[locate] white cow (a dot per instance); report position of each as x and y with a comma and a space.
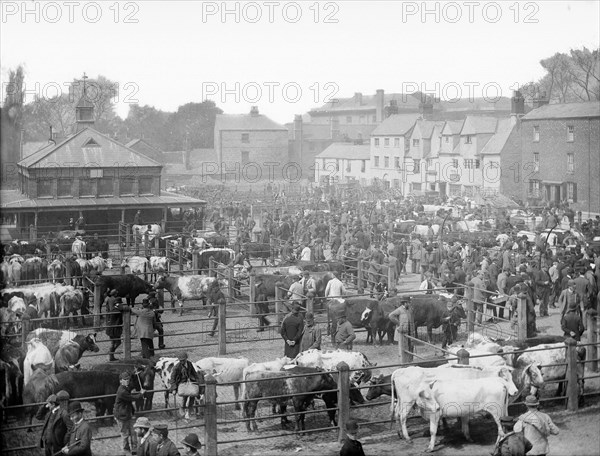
158, 265
329, 360
37, 353
17, 305
100, 264
225, 370
275, 365
153, 230
137, 264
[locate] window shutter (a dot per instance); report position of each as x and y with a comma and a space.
574, 192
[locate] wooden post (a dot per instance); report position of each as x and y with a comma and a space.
252, 293
470, 313
136, 240
222, 328
97, 305
230, 283
343, 399
211, 267
592, 337
160, 295
359, 275
180, 256
25, 328
210, 416
278, 305
571, 377
146, 244
127, 332
390, 278
310, 304
403, 345
195, 262
127, 235
522, 317
463, 356
156, 246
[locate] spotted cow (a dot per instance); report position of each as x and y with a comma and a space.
188, 287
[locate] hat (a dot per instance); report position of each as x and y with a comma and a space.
192, 440
182, 355
118, 300
571, 282
524, 276
531, 401
142, 422
306, 273
351, 426
74, 407
125, 376
507, 420
145, 302
113, 292
52, 399
161, 429
296, 307
62, 395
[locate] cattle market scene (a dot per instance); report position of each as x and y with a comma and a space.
195, 261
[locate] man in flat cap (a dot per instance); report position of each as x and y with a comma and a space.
146, 445
536, 427
352, 446
165, 446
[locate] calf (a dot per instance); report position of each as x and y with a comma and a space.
280, 384
158, 265
42, 384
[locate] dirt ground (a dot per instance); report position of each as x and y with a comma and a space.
579, 431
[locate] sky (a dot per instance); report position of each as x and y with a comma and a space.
288, 57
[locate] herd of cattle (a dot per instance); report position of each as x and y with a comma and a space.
499, 372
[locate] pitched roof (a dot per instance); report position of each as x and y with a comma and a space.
475, 125
398, 124
497, 142
565, 111
368, 102
427, 126
246, 122
477, 104
34, 146
105, 153
453, 127
347, 151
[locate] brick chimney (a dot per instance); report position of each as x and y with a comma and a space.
254, 111
358, 98
379, 101
298, 127
335, 128
540, 100
517, 104
426, 109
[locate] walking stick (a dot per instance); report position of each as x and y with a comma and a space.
77, 442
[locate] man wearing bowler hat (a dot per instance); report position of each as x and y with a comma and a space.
54, 432
146, 445
192, 444
291, 331
536, 426
80, 439
164, 447
513, 443
352, 447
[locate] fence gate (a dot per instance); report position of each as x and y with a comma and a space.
124, 237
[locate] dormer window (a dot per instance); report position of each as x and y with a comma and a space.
91, 143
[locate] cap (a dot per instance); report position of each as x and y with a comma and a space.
113, 292
507, 420
142, 422
125, 376
161, 429
531, 401
74, 407
192, 440
52, 399
145, 302
182, 355
351, 426
152, 293
309, 316
62, 395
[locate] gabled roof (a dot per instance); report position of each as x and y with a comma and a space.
346, 151
108, 154
426, 127
477, 125
396, 125
565, 111
246, 122
497, 142
452, 127
32, 147
404, 101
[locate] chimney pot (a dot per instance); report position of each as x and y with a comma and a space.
254, 110
358, 98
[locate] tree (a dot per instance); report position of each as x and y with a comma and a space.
585, 72
559, 71
192, 126
11, 118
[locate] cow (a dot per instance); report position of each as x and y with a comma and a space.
37, 353
52, 338
73, 271
258, 250
329, 360
158, 265
56, 270
71, 302
136, 265
142, 377
220, 255
14, 271
89, 384
78, 248
42, 384
128, 286
17, 305
411, 385
225, 370
274, 365
71, 352
100, 264
281, 384
153, 230
427, 310
187, 287
164, 367
358, 311
10, 326
272, 281
380, 319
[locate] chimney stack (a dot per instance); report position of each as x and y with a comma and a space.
391, 109
254, 111
358, 98
379, 101
51, 139
426, 109
517, 106
298, 127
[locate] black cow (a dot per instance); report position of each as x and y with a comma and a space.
96, 246
271, 281
325, 266
279, 384
142, 377
380, 319
217, 241
73, 270
531, 342
8, 295
82, 384
359, 310
219, 255
128, 286
258, 250
427, 310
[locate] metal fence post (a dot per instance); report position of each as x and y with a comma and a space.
592, 337
252, 301
571, 377
343, 398
278, 304
521, 317
127, 332
210, 416
97, 305
222, 328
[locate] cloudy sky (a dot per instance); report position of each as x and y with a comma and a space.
287, 57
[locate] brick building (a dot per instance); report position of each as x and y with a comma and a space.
554, 156
251, 147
